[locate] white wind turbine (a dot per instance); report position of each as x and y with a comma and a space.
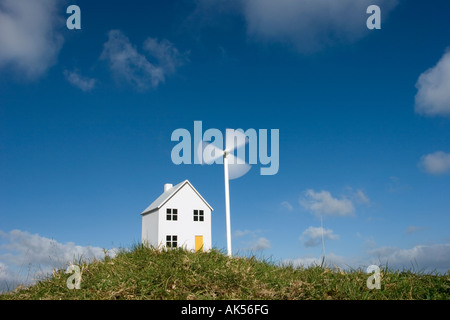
233, 167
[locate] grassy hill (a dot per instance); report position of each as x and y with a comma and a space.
147, 273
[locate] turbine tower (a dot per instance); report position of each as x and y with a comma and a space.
233, 167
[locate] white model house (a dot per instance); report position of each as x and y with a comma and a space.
179, 217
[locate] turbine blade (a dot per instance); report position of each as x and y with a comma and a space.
235, 139
237, 167
208, 153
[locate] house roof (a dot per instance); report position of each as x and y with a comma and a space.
163, 198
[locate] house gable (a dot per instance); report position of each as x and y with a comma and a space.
167, 195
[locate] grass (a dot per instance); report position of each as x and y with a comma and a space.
148, 273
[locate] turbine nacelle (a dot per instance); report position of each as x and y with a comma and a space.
210, 153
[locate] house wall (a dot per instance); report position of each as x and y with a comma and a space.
150, 229
185, 200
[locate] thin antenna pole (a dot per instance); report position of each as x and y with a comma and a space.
227, 202
323, 241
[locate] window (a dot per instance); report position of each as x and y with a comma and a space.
198, 215
172, 214
171, 241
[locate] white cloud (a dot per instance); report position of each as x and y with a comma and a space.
287, 205
433, 95
40, 254
305, 262
165, 53
362, 197
3, 272
313, 236
308, 25
83, 83
322, 203
242, 233
260, 244
436, 163
370, 243
30, 40
358, 196
395, 185
414, 229
331, 260
129, 65
9, 280
33, 248
420, 257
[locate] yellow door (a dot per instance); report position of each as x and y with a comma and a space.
198, 243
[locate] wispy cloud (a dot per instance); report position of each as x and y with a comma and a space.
307, 25
433, 95
251, 240
323, 203
259, 244
30, 37
358, 196
370, 243
83, 83
436, 163
287, 205
312, 236
332, 260
395, 185
164, 51
128, 65
242, 233
361, 197
414, 229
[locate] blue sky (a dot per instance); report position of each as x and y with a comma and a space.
86, 118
